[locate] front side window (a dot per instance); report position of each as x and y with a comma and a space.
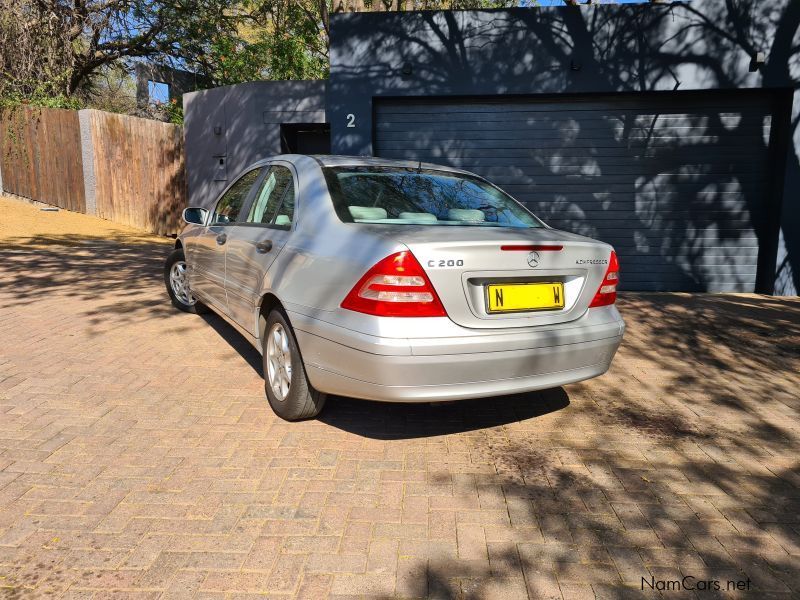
391, 195
274, 203
229, 206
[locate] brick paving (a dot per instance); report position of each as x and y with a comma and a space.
138, 455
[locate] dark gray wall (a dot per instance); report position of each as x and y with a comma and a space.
590, 49
229, 128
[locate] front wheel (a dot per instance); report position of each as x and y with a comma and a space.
177, 282
288, 390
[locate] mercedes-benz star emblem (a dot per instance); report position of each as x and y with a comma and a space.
533, 260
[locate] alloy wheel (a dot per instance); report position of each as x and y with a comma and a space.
279, 362
179, 283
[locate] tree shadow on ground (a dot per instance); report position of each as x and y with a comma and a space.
681, 461
111, 275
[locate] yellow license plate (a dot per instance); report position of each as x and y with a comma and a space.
523, 297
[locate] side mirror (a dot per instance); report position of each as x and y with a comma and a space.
195, 215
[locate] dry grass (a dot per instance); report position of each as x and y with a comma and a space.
24, 223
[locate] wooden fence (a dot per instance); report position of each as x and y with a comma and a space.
136, 173
139, 171
41, 156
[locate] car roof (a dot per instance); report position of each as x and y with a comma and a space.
332, 160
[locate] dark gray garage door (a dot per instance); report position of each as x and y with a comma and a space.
678, 183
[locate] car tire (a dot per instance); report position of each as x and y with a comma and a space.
179, 291
289, 392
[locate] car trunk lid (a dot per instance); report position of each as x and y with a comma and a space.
469, 265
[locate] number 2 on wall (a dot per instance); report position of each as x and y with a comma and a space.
351, 120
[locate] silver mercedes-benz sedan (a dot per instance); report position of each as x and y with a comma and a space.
396, 281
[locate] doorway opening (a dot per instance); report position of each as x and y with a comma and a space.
305, 138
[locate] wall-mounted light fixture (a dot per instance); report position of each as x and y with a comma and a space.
574, 65
406, 69
217, 129
758, 60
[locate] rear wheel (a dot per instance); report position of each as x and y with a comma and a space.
177, 282
289, 392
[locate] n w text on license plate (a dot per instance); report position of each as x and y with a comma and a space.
523, 297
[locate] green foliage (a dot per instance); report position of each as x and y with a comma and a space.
231, 60
290, 58
297, 31
174, 112
13, 100
270, 39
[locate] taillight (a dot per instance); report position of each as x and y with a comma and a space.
395, 287
607, 294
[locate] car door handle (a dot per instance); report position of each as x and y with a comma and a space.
264, 247
222, 238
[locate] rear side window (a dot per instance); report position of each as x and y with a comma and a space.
274, 203
390, 195
229, 206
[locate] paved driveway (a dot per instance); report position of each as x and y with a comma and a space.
137, 453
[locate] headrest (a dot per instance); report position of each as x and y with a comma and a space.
465, 214
367, 213
422, 217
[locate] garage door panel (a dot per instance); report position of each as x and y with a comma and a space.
613, 216
700, 281
524, 142
630, 175
744, 245
686, 285
653, 126
567, 120
692, 152
622, 234
565, 205
704, 194
754, 181
616, 166
545, 173
677, 182
571, 107
710, 257
524, 190
665, 232
592, 137
632, 165
565, 126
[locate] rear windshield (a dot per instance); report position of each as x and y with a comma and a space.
395, 196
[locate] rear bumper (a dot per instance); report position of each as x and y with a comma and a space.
343, 362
